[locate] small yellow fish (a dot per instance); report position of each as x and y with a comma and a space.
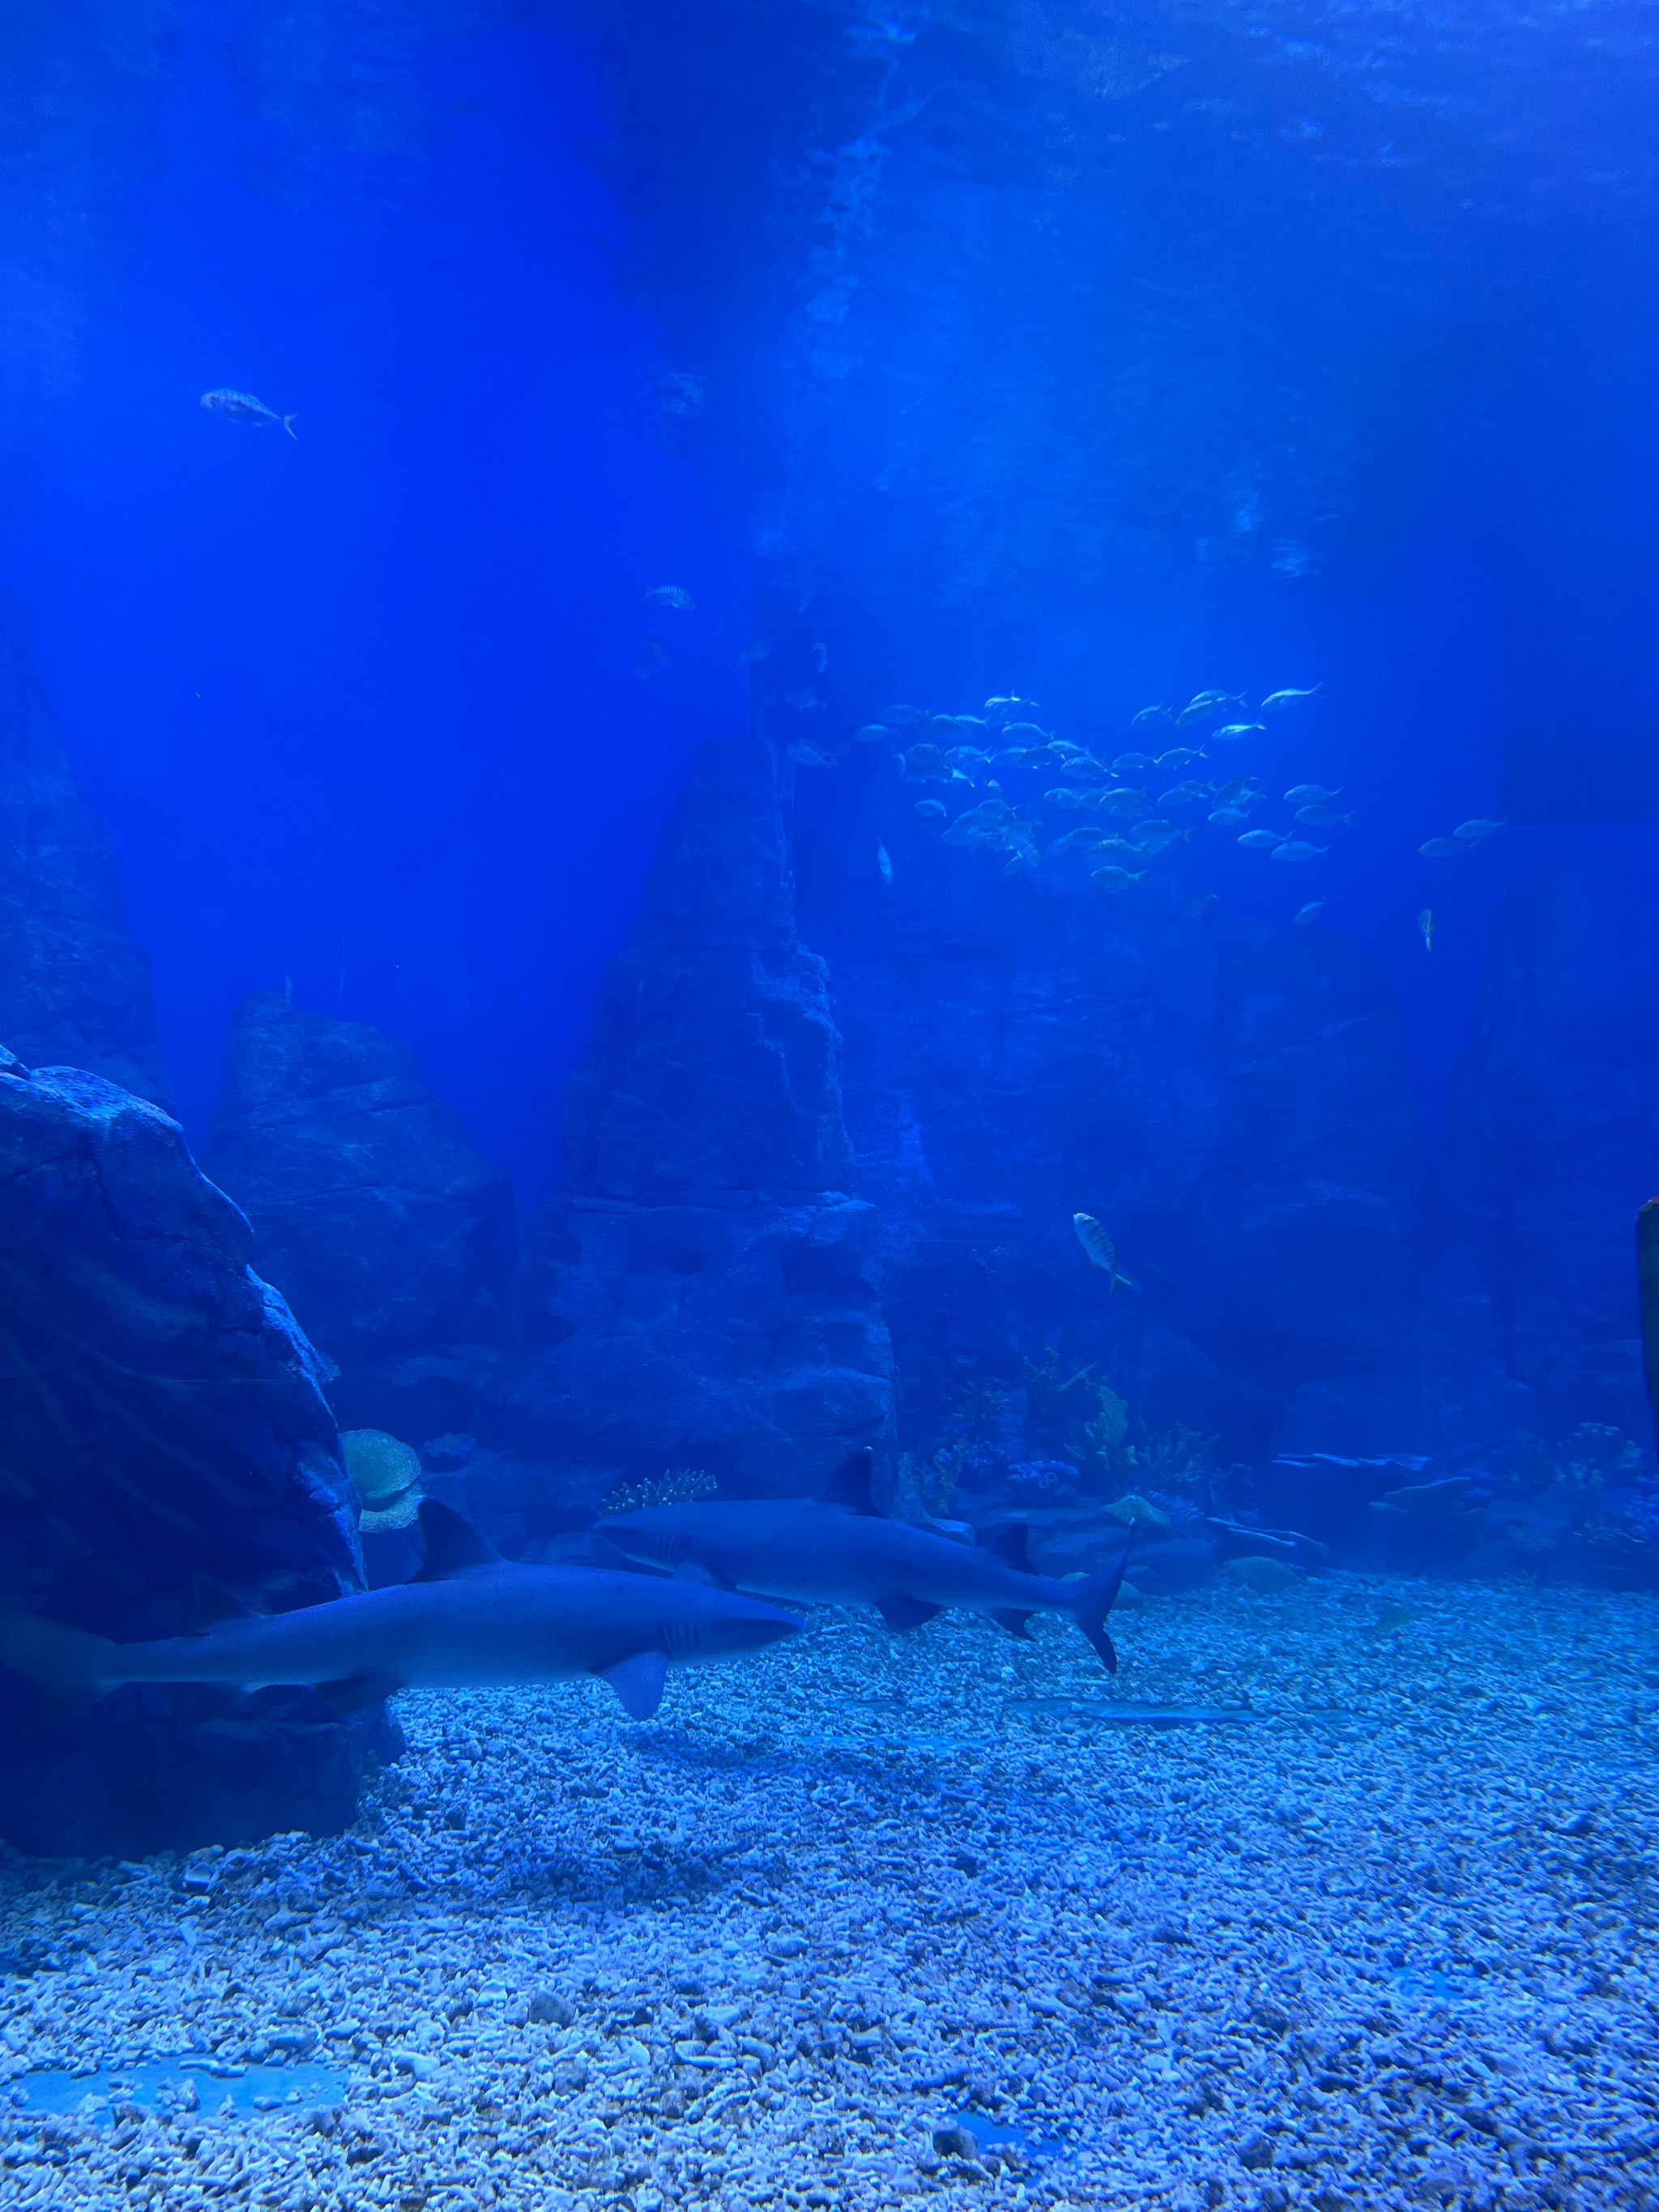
1426, 923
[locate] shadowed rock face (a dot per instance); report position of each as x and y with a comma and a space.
163, 1418
1552, 1139
1231, 1101
74, 988
389, 1237
703, 1289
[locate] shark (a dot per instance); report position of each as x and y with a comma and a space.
841, 1550
468, 1619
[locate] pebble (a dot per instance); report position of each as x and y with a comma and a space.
863, 1924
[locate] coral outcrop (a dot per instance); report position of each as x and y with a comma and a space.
163, 1420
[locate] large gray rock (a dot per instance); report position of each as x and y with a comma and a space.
74, 988
1552, 1140
389, 1237
163, 1419
704, 1289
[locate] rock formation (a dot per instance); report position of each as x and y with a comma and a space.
1233, 1104
163, 1419
388, 1236
703, 1289
74, 988
1552, 1140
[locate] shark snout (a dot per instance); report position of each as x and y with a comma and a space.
766, 1624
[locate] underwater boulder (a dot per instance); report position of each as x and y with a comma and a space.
164, 1420
74, 988
704, 1289
386, 1233
1552, 1139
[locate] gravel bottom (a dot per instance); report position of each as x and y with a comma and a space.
1388, 1941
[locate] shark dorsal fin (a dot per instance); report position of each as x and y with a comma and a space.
1011, 1547
453, 1546
211, 1605
849, 1485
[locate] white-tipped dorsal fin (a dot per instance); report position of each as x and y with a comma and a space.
452, 1547
638, 1680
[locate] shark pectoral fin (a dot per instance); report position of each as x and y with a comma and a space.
211, 1604
352, 1693
452, 1547
693, 1570
1012, 1546
639, 1682
1014, 1621
902, 1613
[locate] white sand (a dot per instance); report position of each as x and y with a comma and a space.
1392, 1945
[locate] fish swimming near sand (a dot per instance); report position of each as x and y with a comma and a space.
243, 407
843, 1551
470, 1620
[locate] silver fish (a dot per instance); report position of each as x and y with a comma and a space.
1102, 1252
1232, 732
1179, 757
1225, 816
1297, 848
1151, 715
1324, 815
1475, 832
243, 407
1116, 879
932, 810
1184, 794
1441, 848
468, 1620
1259, 841
1311, 912
672, 595
1277, 700
885, 863
1132, 763
1309, 794
873, 733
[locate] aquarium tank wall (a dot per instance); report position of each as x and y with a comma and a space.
829, 1231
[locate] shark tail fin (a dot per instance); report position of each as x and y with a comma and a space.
67, 1665
288, 424
1095, 1600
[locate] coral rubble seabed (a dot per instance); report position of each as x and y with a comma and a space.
1391, 1945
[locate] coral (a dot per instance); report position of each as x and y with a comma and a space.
387, 1474
1053, 1479
675, 1485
